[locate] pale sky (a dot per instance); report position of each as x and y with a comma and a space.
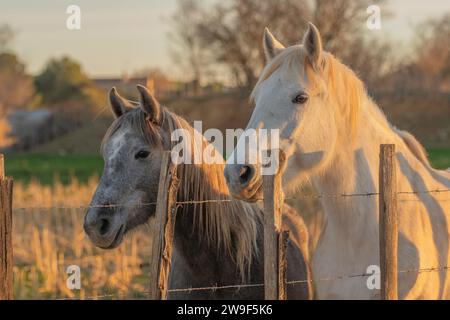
125, 36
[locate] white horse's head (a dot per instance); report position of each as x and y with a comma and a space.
311, 98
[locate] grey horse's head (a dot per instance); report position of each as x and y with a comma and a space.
132, 152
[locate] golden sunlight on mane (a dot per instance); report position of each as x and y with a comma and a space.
231, 224
414, 146
355, 94
346, 89
343, 79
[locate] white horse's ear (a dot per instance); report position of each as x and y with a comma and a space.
272, 46
118, 104
313, 44
149, 104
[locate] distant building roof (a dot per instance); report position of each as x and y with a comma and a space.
108, 83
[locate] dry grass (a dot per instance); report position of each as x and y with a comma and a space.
48, 237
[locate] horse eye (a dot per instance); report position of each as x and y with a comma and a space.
142, 154
300, 98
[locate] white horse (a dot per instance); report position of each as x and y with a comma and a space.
330, 131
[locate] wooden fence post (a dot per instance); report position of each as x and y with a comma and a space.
388, 222
274, 268
163, 230
283, 239
6, 253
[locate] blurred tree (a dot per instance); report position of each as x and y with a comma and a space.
426, 70
186, 47
6, 36
61, 80
16, 87
230, 33
432, 57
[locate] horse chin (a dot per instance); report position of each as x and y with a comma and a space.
256, 196
252, 194
116, 241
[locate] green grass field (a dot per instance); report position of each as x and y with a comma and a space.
440, 157
46, 167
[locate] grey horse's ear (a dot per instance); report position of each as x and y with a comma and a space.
312, 42
272, 46
149, 104
118, 104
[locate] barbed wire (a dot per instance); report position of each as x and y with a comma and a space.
342, 277
108, 295
424, 191
256, 285
215, 288
212, 201
420, 200
239, 286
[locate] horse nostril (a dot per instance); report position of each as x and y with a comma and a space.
245, 174
104, 226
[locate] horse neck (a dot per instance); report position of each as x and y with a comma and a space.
218, 268
197, 253
220, 238
354, 169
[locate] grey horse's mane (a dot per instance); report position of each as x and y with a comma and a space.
229, 225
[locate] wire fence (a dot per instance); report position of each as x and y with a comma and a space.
255, 285
213, 201
166, 194
261, 285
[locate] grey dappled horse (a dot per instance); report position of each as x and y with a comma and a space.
214, 243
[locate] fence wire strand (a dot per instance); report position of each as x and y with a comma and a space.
212, 201
256, 285
239, 286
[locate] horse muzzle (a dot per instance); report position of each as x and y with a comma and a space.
244, 181
103, 227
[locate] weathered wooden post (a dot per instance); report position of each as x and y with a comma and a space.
283, 240
388, 222
163, 230
6, 253
274, 240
